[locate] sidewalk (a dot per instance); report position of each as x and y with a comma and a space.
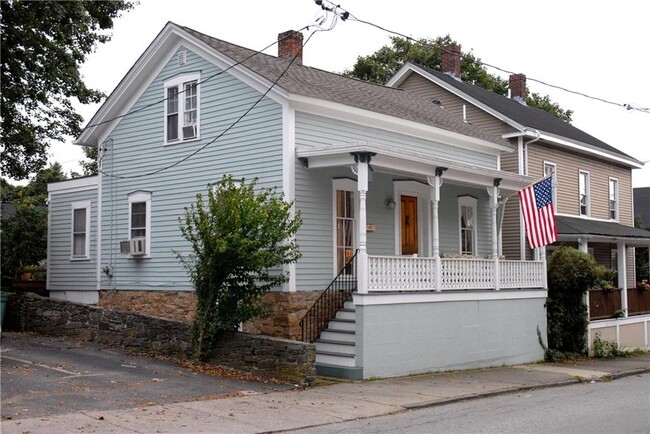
281, 411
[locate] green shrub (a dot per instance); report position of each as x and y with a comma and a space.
571, 273
240, 238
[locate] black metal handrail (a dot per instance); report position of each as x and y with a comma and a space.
330, 301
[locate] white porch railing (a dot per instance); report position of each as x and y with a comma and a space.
405, 273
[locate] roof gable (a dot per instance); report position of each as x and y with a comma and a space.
517, 115
260, 71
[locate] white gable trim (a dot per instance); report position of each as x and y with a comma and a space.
386, 122
409, 68
149, 66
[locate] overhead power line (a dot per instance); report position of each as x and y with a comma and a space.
329, 6
237, 121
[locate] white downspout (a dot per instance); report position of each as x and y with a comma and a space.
523, 161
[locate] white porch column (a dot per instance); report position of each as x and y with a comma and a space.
583, 245
435, 183
494, 205
622, 275
362, 160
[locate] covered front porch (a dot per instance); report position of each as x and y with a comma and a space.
437, 228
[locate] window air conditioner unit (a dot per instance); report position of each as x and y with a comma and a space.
134, 247
189, 131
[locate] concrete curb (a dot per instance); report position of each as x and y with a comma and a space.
506, 391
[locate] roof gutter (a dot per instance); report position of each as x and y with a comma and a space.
632, 162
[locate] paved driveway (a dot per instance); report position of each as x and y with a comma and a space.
47, 376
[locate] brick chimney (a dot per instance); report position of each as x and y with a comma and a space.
451, 60
290, 46
518, 88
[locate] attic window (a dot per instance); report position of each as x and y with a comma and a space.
437, 102
182, 57
182, 108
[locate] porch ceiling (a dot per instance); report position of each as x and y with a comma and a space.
390, 159
572, 228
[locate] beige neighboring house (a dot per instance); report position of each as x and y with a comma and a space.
592, 185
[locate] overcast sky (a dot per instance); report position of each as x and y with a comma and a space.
601, 48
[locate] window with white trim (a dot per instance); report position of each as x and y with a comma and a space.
467, 225
584, 193
80, 244
550, 169
613, 199
182, 108
344, 222
140, 216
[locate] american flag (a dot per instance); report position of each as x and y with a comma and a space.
539, 214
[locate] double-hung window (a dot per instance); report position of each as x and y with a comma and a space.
140, 217
182, 108
613, 199
80, 248
344, 223
467, 224
550, 169
584, 193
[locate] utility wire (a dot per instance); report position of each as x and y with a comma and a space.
162, 100
345, 15
231, 126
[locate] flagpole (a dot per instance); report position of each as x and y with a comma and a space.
532, 183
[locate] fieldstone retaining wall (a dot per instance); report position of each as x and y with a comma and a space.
174, 305
262, 355
286, 309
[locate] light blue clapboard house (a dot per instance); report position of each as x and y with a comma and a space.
397, 195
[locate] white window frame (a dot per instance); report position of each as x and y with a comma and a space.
137, 197
609, 202
469, 201
548, 164
178, 83
587, 193
345, 184
85, 204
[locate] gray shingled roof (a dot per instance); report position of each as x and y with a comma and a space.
312, 82
531, 117
580, 226
642, 205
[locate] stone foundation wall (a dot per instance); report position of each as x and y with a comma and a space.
286, 311
174, 305
264, 356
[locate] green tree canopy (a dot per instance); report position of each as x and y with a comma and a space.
380, 66
43, 45
239, 238
24, 234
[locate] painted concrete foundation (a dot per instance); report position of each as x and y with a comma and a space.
630, 332
401, 333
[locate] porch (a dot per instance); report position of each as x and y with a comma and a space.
425, 237
429, 287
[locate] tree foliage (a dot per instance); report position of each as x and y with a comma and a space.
43, 45
88, 165
24, 234
571, 273
239, 240
380, 66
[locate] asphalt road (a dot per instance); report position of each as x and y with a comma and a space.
47, 376
619, 406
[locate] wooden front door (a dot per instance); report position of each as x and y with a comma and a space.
409, 211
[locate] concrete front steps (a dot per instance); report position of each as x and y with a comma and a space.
335, 348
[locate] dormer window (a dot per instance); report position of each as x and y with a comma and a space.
182, 108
